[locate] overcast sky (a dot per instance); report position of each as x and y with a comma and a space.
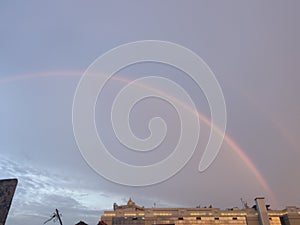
45, 47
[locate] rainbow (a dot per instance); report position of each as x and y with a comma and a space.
235, 147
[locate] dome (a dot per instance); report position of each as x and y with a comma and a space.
130, 202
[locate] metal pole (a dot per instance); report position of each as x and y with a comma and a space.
58, 216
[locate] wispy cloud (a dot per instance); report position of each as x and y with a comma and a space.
39, 192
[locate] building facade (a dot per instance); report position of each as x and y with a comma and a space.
7, 191
132, 214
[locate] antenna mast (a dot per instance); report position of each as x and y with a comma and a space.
58, 216
55, 216
244, 203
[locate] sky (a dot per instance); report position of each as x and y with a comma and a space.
46, 46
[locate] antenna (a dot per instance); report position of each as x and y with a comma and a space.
244, 203
56, 216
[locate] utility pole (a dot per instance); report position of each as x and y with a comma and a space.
55, 216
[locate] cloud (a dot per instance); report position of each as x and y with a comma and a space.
40, 192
